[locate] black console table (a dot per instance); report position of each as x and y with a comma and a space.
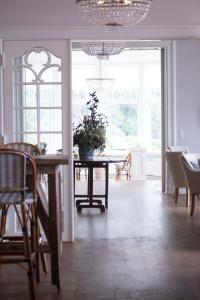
91, 200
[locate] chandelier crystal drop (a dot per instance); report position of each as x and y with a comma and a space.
114, 13
103, 49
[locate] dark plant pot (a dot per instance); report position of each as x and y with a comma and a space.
86, 153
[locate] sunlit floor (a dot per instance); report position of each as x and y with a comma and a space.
128, 202
143, 248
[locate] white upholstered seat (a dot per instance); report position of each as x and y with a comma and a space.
176, 171
192, 179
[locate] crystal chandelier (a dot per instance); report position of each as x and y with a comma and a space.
102, 49
114, 13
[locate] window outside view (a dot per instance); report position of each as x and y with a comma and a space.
130, 98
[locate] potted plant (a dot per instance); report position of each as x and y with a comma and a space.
89, 134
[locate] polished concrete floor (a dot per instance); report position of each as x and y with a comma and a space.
145, 247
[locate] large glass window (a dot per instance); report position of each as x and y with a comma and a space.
38, 99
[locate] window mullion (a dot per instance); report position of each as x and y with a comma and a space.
38, 113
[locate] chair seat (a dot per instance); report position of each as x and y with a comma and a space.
10, 248
16, 198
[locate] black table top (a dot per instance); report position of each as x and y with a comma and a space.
98, 160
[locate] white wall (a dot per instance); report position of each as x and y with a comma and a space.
187, 80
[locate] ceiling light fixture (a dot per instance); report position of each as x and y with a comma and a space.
114, 13
101, 81
102, 49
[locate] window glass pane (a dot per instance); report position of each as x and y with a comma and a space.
149, 80
122, 129
24, 75
37, 60
50, 95
51, 74
29, 120
50, 119
25, 96
30, 138
29, 96
53, 141
27, 75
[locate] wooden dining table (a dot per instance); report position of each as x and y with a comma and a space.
49, 209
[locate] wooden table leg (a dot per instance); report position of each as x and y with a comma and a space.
106, 185
54, 226
90, 188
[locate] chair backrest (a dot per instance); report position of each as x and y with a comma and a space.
184, 149
192, 176
25, 147
13, 167
175, 168
192, 160
127, 163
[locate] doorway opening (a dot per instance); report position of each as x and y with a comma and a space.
128, 86
130, 91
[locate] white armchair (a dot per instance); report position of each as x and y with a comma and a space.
192, 178
176, 171
184, 149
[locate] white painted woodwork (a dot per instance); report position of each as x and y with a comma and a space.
61, 49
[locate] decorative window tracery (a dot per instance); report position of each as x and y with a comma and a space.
38, 98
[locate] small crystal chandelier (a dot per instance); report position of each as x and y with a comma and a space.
114, 13
102, 49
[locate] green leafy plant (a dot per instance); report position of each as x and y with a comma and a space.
90, 132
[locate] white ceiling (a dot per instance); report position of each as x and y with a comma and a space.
178, 17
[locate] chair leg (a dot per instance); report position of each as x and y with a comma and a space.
176, 194
192, 206
4, 210
78, 174
187, 197
118, 173
44, 262
37, 263
27, 250
86, 175
41, 255
3, 219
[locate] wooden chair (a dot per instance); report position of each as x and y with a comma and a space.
78, 170
176, 171
26, 147
124, 167
32, 150
14, 193
192, 178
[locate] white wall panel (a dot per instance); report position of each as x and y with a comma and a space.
188, 94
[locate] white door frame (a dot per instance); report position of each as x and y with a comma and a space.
168, 99
62, 49
169, 115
